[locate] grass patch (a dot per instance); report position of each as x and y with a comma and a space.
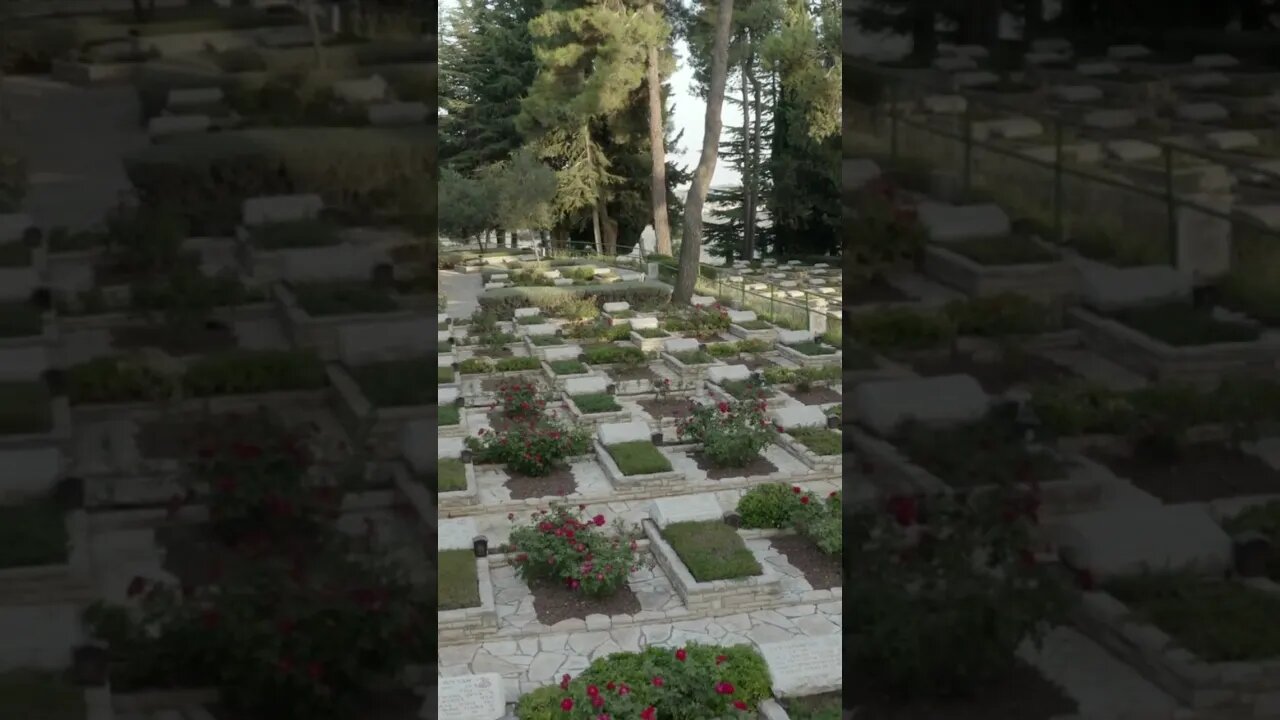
453, 475
756, 324
457, 585
394, 383
622, 314
111, 380
1183, 325
567, 367
693, 357
596, 403
651, 332
1218, 621
444, 375
610, 354
15, 255
546, 340
27, 408
820, 441
1003, 250
31, 534
1265, 520
39, 695
711, 550
639, 457
812, 348
322, 299
294, 234
20, 320
513, 364
445, 347
243, 372
743, 389
475, 366
530, 320
449, 415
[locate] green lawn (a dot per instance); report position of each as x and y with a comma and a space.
32, 534
596, 403
711, 550
639, 457
453, 475
394, 383
820, 441
457, 585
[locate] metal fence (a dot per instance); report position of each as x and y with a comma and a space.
1178, 208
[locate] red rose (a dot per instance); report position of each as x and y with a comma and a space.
724, 688
657, 682
592, 690
721, 658
597, 701
648, 713
905, 510
598, 520
566, 704
564, 682
609, 685
804, 500
724, 407
795, 489
681, 654
740, 704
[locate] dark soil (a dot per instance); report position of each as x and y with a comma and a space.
391, 705
758, 466
167, 439
206, 339
636, 372
823, 571
559, 482
1022, 695
755, 363
1201, 472
667, 407
877, 290
502, 352
553, 602
815, 396
994, 377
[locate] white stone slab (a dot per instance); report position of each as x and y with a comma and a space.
469, 697
741, 316
735, 278
281, 208
13, 225
361, 90
561, 282
495, 285
793, 263
970, 50
702, 300
675, 345
768, 262
443, 336
1098, 69
194, 96
1205, 80
951, 223
566, 352
551, 274
1106, 288
528, 312
166, 125
1127, 540
817, 281
798, 416
396, 114
685, 508
449, 447
416, 440
614, 433
857, 172
820, 266
945, 104
1127, 52
456, 533
446, 395
756, 286
1132, 150
778, 276
791, 337
1232, 139
975, 78
539, 330
442, 318
788, 284
1015, 128
1110, 119
884, 404
1220, 60
1077, 93
955, 64
614, 307
647, 322
805, 665
500, 277
586, 385
444, 359
1202, 112
726, 373
29, 472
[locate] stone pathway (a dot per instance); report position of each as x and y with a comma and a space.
1101, 684
462, 291
74, 140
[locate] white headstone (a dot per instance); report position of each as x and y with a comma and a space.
446, 395
586, 385
614, 433
1127, 52
768, 262
495, 285
469, 697
614, 307
1203, 112
1077, 93
755, 286
728, 373
449, 447
1016, 128
1110, 119
551, 274
883, 405
797, 416
561, 282
1044, 58
778, 276
539, 330
456, 533
647, 322
165, 125
416, 440
194, 96
442, 318
361, 90
701, 300
397, 114
1128, 540
281, 208
951, 223
685, 508
565, 352
973, 51
945, 104
805, 665
444, 359
820, 266
1107, 288
1232, 139
741, 316
500, 276
1205, 80
1098, 69
1215, 61
1133, 150
817, 281
443, 336
735, 278
788, 284
13, 225
30, 473
955, 64
791, 337
676, 345
528, 312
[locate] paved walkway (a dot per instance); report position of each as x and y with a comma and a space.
463, 292
74, 140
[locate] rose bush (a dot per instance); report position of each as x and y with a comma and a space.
560, 546
521, 400
532, 450
732, 433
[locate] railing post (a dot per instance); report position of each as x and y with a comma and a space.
1057, 182
1171, 199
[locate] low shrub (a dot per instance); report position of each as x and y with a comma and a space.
641, 295
244, 372
475, 366
610, 354
323, 299
452, 474
756, 324
596, 403
533, 449
711, 550
820, 520
570, 548
33, 533
457, 585
731, 434
113, 380
395, 383
639, 457
651, 333
813, 348
1263, 519
567, 367
530, 320
767, 506
15, 255
27, 408
547, 340
444, 376
41, 695
513, 364
986, 452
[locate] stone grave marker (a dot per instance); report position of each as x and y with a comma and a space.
1129, 539
456, 533
13, 225
1098, 69
566, 352
1127, 52
553, 274
446, 395
1232, 139
194, 96
166, 125
30, 472
449, 447
723, 373
858, 172
702, 300
955, 64
1052, 45
539, 330
528, 312
1202, 112
1108, 289
647, 322
741, 316
805, 666
469, 697
791, 337
676, 345
685, 508
281, 208
883, 405
359, 91
416, 439
616, 307
797, 416
1110, 119
952, 223
586, 385
1132, 150
1077, 93
945, 104
1205, 80
614, 433
1215, 61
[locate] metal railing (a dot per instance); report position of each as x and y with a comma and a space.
1161, 210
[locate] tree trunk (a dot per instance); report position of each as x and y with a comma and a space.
691, 243
748, 195
591, 171
924, 30
608, 229
658, 156
314, 23
757, 140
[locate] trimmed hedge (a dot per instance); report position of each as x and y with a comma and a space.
355, 170
642, 295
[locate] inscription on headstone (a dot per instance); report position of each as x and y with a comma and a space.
471, 697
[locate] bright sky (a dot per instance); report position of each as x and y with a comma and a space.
689, 116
